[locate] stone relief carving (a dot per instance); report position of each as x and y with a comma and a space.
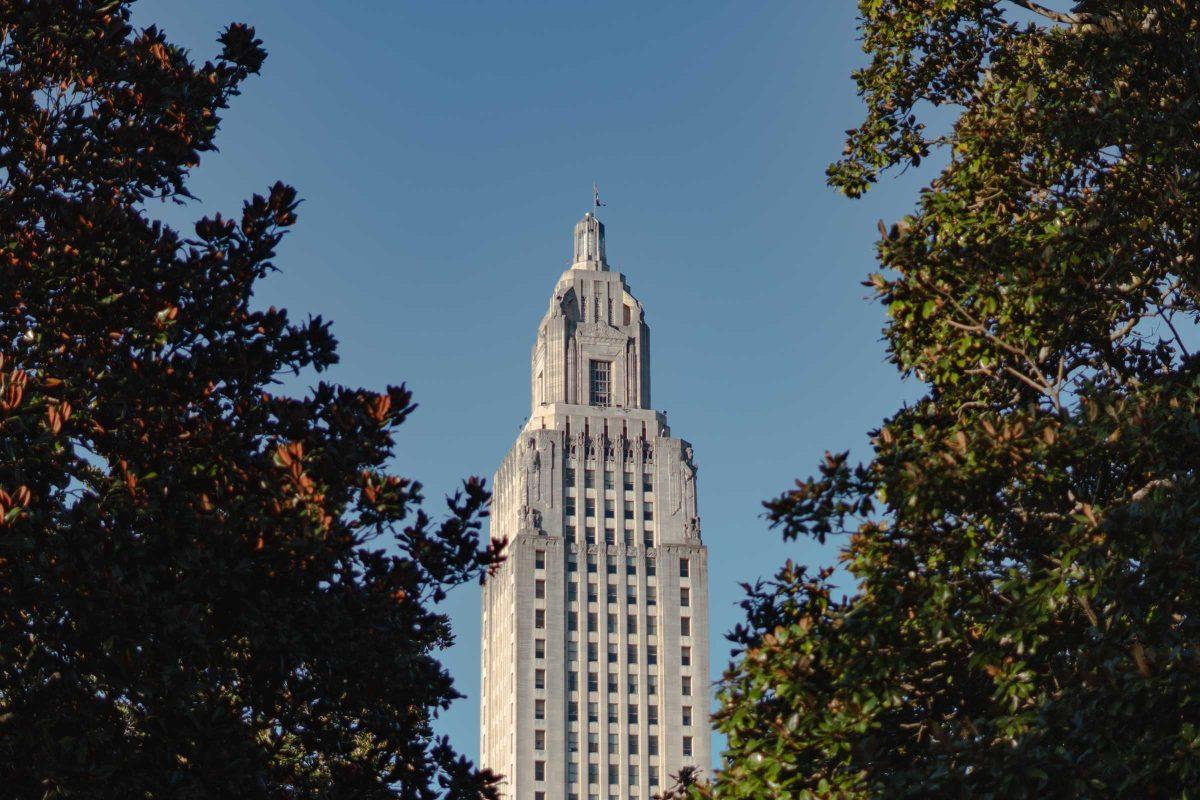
531, 472
689, 481
531, 518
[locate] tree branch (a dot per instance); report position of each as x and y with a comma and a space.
1062, 17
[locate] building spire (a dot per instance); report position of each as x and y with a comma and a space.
589, 243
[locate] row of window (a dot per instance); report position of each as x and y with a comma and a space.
539, 708
593, 774
573, 683
631, 562
593, 595
610, 536
610, 479
631, 620
593, 654
593, 620
610, 511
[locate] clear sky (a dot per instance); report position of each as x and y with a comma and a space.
445, 150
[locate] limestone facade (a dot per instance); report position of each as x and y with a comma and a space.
595, 630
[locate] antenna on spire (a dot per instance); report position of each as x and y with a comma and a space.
596, 204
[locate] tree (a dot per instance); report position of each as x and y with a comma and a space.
195, 596
1024, 541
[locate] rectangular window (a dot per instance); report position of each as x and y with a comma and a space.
647, 511
590, 535
593, 682
539, 770
633, 774
685, 656
600, 382
539, 648
685, 596
632, 714
651, 684
612, 682
687, 715
569, 476
572, 591
647, 482
539, 709
593, 653
685, 626
539, 559
612, 714
569, 532
610, 536
684, 568
633, 684
592, 561
631, 594
651, 654
631, 623
589, 479
539, 740
569, 506
592, 620
630, 565
572, 681
572, 716
593, 776
628, 537
612, 652
572, 651
652, 625
653, 748
612, 593
539, 796
648, 538
687, 685
589, 507
633, 749
592, 593
628, 509
539, 589
539, 679
611, 567
608, 508
631, 655
613, 742
593, 742
572, 772
652, 715
687, 745
572, 563
651, 595
539, 618
651, 566
609, 480
593, 712
628, 481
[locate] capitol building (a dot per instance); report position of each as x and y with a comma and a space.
595, 629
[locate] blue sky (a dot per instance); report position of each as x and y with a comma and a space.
445, 150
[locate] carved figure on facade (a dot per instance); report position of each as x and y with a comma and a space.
531, 518
689, 481
531, 471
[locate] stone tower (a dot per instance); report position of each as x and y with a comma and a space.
595, 629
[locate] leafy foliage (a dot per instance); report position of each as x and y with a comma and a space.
194, 597
1025, 540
